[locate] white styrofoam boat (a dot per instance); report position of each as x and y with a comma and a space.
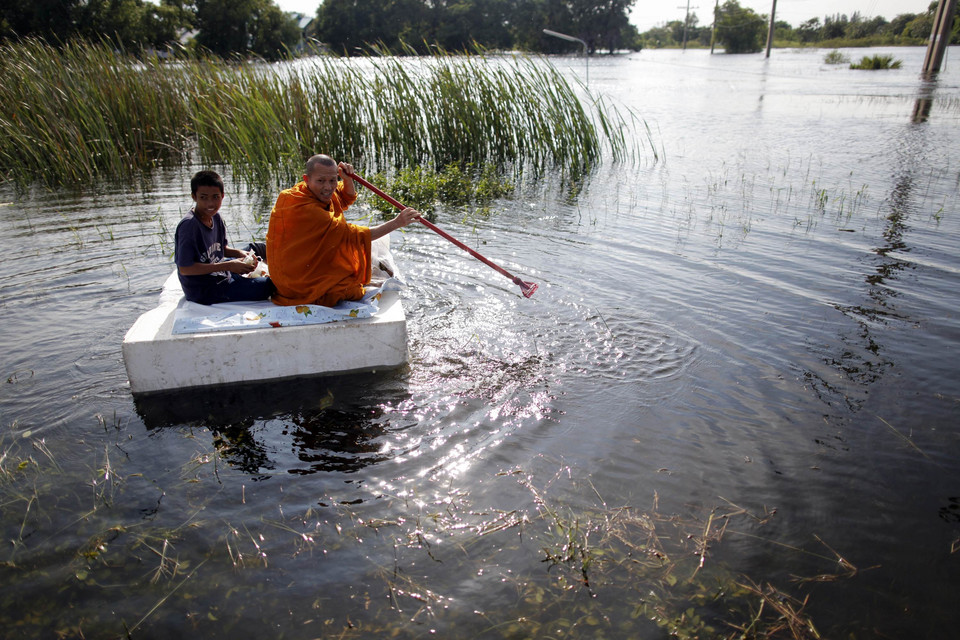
157, 359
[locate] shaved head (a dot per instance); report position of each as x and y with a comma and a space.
319, 160
322, 175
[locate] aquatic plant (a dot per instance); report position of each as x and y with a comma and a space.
835, 57
875, 62
453, 185
86, 112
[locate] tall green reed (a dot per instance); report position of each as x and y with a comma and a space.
84, 112
75, 114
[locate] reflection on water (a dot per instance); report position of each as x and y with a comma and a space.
863, 360
304, 426
924, 103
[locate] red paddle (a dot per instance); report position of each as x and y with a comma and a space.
527, 288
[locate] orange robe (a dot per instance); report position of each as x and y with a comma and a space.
315, 256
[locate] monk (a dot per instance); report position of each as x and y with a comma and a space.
316, 256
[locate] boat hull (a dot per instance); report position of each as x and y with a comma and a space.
159, 360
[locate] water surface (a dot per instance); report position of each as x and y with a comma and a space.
762, 322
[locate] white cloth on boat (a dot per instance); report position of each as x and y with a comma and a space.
191, 317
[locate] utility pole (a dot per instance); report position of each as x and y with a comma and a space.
773, 12
939, 36
713, 31
686, 23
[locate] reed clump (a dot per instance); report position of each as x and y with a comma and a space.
836, 57
85, 112
74, 114
872, 63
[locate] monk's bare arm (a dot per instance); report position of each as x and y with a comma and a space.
403, 218
345, 170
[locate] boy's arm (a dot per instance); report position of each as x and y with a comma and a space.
206, 268
230, 252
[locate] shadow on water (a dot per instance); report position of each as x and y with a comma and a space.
303, 426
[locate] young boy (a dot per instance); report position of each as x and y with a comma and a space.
201, 251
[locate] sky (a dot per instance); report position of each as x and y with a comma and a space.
651, 13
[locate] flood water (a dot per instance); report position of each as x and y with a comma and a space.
758, 330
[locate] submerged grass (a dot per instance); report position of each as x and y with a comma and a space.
84, 112
608, 571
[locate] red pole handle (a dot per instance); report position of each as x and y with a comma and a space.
527, 288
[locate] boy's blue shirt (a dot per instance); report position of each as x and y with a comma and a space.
195, 243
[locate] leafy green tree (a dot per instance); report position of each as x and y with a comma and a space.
463, 22
919, 27
119, 20
229, 27
899, 23
127, 23
809, 31
555, 15
677, 27
783, 31
224, 25
600, 23
273, 33
164, 23
739, 29
50, 19
350, 26
834, 27
658, 37
631, 37
858, 27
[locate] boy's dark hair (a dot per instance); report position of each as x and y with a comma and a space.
206, 178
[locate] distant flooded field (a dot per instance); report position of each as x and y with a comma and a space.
731, 405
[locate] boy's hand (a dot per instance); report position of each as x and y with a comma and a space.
238, 266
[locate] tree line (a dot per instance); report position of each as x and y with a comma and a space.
455, 25
741, 30
223, 27
261, 28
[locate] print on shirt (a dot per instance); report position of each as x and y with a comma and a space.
216, 251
